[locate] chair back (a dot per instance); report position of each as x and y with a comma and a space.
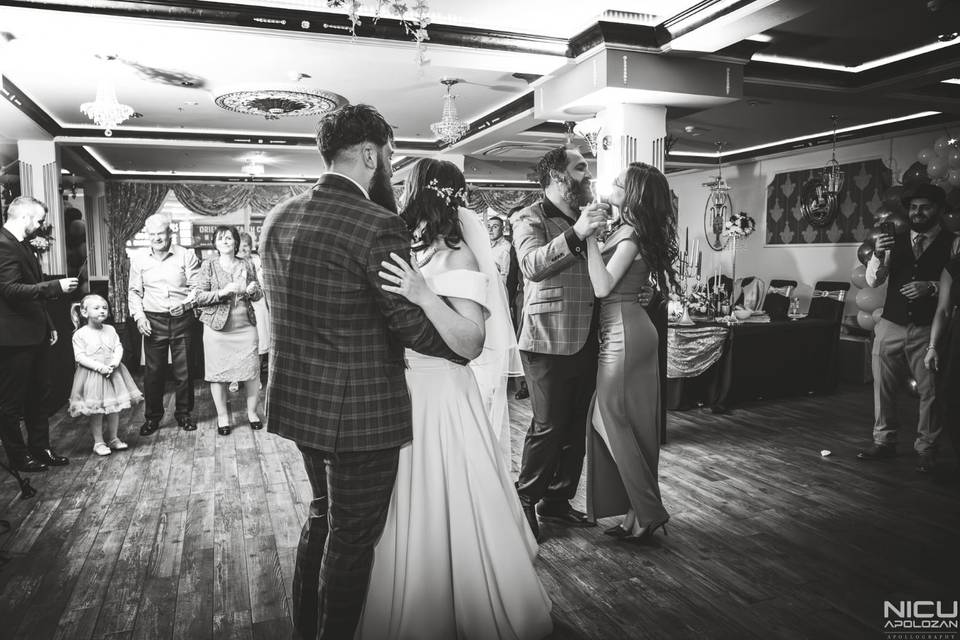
725, 282
749, 293
828, 300
777, 301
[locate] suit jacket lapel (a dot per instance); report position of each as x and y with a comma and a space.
28, 256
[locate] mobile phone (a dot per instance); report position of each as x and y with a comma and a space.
887, 228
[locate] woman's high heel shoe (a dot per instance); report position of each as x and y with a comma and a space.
616, 531
646, 536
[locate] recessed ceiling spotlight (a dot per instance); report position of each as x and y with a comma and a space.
947, 37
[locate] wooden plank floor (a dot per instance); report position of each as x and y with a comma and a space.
192, 535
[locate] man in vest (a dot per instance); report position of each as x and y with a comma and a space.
913, 263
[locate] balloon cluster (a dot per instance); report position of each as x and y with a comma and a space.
942, 162
869, 299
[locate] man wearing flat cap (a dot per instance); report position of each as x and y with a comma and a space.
912, 263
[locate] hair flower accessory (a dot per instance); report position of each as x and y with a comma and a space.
739, 225
41, 239
450, 196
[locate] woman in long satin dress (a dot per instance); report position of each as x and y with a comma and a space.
943, 352
455, 560
623, 445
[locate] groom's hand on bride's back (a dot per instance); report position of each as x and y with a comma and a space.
406, 321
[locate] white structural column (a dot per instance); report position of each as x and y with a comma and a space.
630, 133
40, 179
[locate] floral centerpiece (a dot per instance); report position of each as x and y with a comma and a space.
740, 225
41, 239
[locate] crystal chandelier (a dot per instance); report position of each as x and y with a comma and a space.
719, 205
820, 196
589, 130
832, 175
105, 110
450, 128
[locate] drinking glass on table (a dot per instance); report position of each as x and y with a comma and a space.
794, 311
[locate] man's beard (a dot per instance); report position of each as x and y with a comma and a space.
381, 191
925, 225
576, 194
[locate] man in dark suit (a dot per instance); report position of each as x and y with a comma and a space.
26, 332
337, 385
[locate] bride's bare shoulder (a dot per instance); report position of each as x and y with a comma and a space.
461, 257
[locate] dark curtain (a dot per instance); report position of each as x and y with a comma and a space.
501, 200
221, 199
129, 204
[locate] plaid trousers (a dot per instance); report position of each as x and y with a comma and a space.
351, 492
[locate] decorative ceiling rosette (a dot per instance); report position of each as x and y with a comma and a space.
274, 104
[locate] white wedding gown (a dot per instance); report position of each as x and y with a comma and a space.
455, 561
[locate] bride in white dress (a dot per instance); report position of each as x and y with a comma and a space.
455, 560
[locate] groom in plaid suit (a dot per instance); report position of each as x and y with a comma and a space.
337, 385
558, 335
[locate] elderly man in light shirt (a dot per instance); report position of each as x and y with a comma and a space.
161, 279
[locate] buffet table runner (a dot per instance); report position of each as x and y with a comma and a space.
693, 350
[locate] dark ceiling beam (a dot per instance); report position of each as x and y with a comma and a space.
302, 21
905, 74
613, 34
887, 129
13, 94
914, 72
84, 157
698, 16
514, 108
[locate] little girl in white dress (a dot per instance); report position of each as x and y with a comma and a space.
102, 386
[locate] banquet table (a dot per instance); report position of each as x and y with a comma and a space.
715, 364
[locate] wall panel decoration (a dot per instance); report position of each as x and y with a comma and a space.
860, 198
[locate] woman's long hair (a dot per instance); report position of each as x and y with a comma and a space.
648, 208
435, 190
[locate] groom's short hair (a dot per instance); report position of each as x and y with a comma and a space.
553, 160
348, 126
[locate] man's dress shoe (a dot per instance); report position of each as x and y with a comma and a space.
565, 514
48, 457
878, 452
27, 462
149, 427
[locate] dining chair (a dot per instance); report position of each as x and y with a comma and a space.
777, 300
828, 300
749, 292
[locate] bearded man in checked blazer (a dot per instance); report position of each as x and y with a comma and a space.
558, 335
337, 385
